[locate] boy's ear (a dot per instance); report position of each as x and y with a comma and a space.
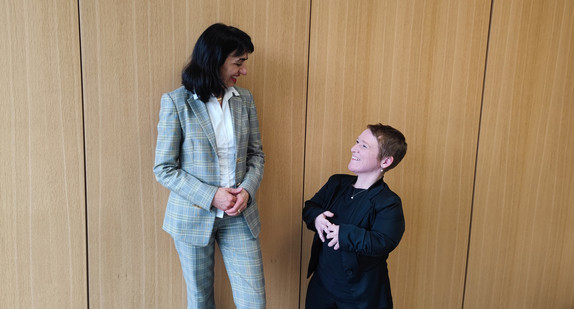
386, 162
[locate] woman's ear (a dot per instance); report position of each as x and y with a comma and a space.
386, 162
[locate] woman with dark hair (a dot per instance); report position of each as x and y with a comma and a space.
211, 50
357, 222
209, 155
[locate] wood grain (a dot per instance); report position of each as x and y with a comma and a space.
489, 133
42, 226
132, 53
521, 248
418, 66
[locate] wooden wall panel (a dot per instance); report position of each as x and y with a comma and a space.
418, 66
128, 58
134, 51
42, 221
278, 78
522, 239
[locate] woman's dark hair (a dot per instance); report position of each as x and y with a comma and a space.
216, 43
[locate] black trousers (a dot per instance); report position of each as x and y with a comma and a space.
319, 298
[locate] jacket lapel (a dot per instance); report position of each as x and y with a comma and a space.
235, 106
200, 111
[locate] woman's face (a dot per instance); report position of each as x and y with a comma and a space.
365, 155
233, 67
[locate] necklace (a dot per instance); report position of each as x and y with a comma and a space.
355, 194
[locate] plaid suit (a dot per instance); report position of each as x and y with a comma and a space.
186, 163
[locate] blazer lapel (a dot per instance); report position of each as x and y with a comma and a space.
200, 111
235, 104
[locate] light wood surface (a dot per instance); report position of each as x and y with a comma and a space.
486, 183
131, 54
417, 66
42, 221
522, 237
277, 76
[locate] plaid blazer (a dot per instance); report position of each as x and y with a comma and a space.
186, 162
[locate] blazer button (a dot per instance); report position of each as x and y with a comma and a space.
349, 272
237, 160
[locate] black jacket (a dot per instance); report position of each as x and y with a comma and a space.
365, 239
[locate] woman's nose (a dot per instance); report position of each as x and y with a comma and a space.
243, 71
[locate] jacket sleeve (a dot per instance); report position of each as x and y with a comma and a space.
384, 235
255, 160
167, 167
318, 203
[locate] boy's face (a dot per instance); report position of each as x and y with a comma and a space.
365, 155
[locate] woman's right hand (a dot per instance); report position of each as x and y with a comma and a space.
225, 198
322, 224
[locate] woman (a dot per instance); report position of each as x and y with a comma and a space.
209, 155
358, 221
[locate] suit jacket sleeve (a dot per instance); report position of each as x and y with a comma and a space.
386, 229
167, 167
319, 203
255, 158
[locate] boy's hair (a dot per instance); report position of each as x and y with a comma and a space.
391, 143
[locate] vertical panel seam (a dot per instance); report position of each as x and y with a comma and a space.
305, 153
85, 155
465, 282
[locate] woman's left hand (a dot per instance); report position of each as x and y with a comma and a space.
333, 235
240, 204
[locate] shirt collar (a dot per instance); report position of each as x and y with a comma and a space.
229, 92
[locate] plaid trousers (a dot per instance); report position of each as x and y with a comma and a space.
241, 254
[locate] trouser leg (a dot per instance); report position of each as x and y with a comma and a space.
241, 254
197, 266
317, 297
